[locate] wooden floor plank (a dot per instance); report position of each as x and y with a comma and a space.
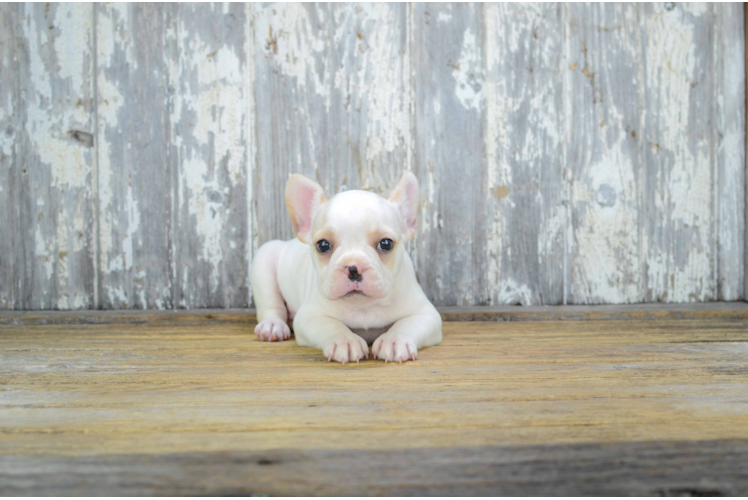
156, 408
655, 311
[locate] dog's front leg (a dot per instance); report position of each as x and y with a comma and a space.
406, 336
337, 341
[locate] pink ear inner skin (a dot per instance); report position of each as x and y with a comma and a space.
410, 205
304, 198
306, 206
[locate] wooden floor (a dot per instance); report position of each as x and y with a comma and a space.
653, 407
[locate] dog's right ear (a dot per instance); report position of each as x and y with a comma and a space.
303, 198
405, 196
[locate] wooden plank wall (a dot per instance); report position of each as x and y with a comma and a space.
567, 153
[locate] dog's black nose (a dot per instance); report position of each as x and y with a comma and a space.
353, 274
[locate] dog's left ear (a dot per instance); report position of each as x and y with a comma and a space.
405, 196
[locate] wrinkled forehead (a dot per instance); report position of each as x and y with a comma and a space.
357, 211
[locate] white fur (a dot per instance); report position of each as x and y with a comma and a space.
292, 281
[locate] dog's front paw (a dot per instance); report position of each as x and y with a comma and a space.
346, 349
272, 329
394, 347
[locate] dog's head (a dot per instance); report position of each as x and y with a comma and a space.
356, 237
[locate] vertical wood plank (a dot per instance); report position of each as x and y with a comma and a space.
680, 225
136, 154
210, 119
450, 151
331, 101
729, 143
604, 123
525, 187
56, 140
11, 242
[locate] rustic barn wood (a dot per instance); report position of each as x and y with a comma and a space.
525, 186
730, 160
136, 155
567, 153
604, 154
745, 150
11, 238
449, 153
538, 407
48, 110
211, 120
679, 183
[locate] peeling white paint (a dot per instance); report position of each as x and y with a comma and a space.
72, 47
217, 105
550, 233
113, 27
511, 292
381, 85
523, 134
212, 115
694, 8
42, 253
443, 17
496, 131
7, 139
606, 263
286, 32
686, 204
730, 152
206, 214
48, 127
133, 224
468, 73
117, 295
56, 89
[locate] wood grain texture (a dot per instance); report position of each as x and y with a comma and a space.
525, 184
333, 101
136, 154
211, 134
53, 163
706, 468
679, 186
11, 241
168, 407
729, 143
605, 114
449, 155
657, 311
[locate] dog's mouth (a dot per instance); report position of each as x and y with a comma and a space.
355, 293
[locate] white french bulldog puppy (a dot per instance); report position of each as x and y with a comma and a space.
347, 280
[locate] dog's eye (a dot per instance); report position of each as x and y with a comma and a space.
324, 246
386, 244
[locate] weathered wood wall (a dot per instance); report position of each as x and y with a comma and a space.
567, 153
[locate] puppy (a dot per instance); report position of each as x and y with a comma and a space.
346, 281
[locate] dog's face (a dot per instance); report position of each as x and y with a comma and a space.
357, 237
